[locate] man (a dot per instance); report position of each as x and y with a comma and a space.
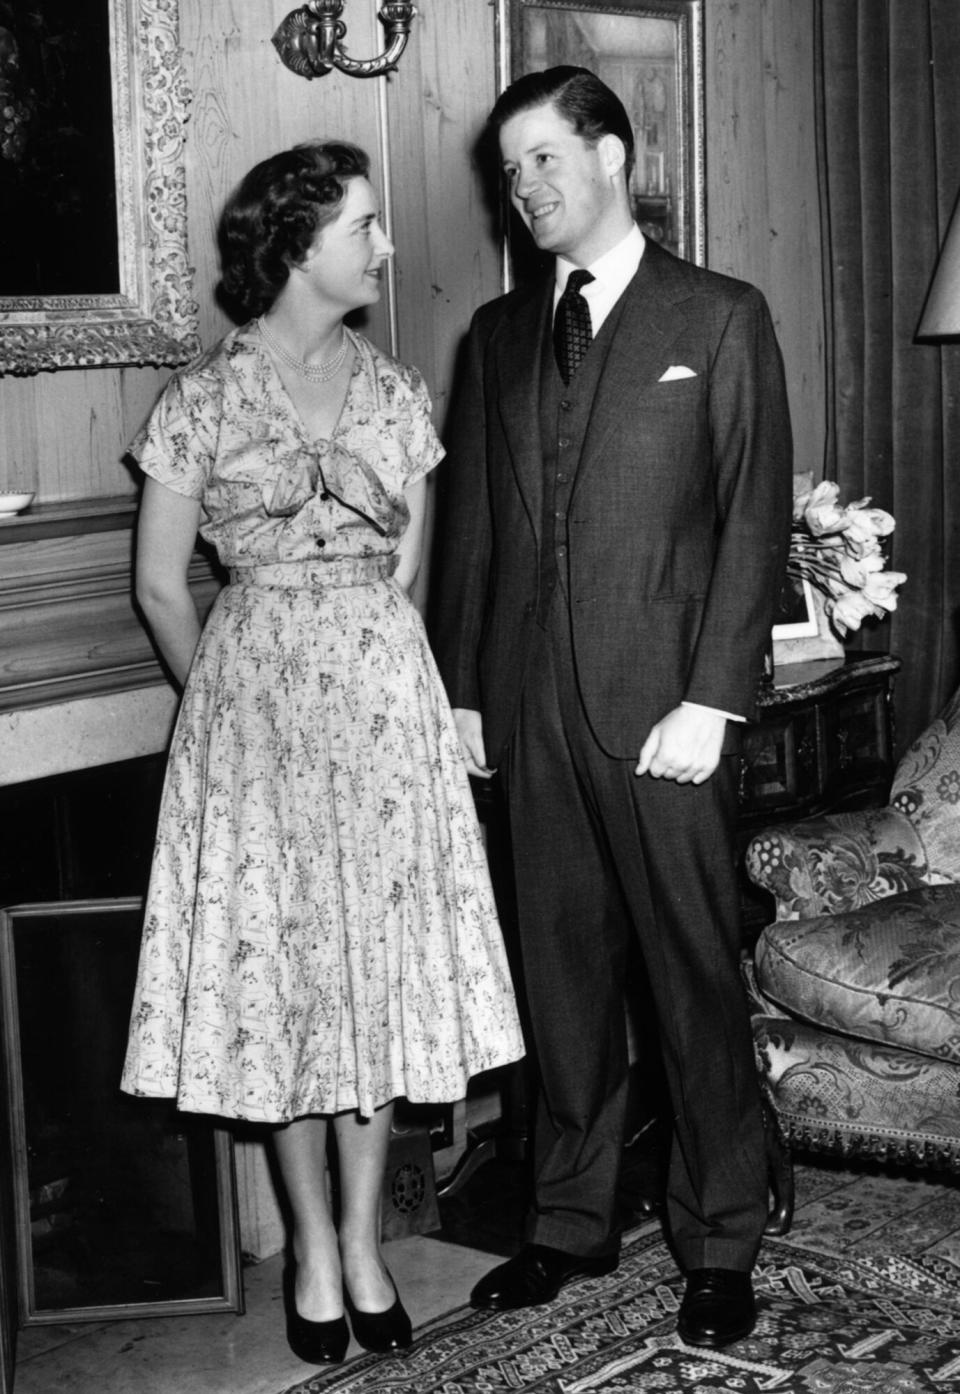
613, 546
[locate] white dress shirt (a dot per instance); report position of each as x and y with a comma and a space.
611, 273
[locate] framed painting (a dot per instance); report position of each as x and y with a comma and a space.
650, 52
121, 1207
93, 241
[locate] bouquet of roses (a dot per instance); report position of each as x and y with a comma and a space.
838, 550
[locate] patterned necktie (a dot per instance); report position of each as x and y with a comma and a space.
572, 333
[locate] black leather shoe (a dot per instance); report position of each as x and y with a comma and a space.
717, 1307
318, 1342
381, 1332
535, 1275
315, 1342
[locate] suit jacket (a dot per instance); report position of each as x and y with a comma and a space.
678, 522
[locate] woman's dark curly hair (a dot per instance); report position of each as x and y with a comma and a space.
272, 217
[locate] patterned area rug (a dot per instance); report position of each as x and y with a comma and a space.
828, 1323
896, 1221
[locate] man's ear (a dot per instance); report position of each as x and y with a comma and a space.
613, 153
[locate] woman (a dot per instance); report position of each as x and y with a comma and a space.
320, 936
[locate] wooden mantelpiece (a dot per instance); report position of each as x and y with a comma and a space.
69, 626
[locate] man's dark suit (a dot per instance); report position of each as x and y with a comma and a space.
670, 550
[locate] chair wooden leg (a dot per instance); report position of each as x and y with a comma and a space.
779, 1174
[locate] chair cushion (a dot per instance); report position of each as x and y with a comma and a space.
889, 971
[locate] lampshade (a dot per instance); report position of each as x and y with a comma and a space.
941, 314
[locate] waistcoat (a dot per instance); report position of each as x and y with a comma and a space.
564, 417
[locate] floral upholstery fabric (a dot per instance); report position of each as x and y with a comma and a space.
839, 1095
855, 991
887, 972
926, 789
821, 866
837, 862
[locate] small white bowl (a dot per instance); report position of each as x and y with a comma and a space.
12, 504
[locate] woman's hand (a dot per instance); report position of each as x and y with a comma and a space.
470, 731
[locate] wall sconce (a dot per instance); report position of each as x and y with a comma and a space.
309, 39
941, 313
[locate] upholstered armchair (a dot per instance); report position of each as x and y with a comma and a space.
855, 988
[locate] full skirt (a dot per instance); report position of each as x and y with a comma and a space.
320, 932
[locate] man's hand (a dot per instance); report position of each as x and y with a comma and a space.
470, 731
684, 746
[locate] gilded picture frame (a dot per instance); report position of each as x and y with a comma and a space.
650, 52
141, 311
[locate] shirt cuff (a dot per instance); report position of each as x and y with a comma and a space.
731, 716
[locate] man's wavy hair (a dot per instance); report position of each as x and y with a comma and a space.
578, 95
274, 214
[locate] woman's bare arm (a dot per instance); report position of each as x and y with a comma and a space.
166, 535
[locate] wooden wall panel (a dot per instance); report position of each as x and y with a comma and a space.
62, 433
796, 277
247, 105
447, 257
762, 213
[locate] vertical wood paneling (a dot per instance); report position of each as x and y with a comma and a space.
63, 432
447, 259
737, 233
762, 214
247, 106
19, 445
795, 284
447, 256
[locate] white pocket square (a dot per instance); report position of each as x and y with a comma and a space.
677, 371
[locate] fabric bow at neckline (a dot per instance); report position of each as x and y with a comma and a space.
324, 471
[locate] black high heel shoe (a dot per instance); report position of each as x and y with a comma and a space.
314, 1342
381, 1332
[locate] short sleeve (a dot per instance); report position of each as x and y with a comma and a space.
177, 445
421, 443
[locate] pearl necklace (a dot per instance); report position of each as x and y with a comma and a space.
312, 372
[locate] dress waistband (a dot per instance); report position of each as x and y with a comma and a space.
297, 575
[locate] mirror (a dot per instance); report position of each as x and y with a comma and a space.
93, 241
650, 52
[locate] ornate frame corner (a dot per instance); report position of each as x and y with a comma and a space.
154, 318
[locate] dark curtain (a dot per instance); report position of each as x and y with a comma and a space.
889, 159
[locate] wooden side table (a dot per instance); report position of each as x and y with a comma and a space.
823, 742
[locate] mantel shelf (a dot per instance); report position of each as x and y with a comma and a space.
69, 519
69, 624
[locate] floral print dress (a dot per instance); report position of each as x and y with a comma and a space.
320, 933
